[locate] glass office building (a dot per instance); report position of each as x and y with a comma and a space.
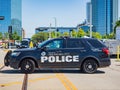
104, 15
11, 10
88, 12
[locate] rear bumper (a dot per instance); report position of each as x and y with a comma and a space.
105, 63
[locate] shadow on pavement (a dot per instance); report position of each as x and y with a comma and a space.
50, 71
11, 72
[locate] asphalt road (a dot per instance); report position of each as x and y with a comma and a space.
104, 79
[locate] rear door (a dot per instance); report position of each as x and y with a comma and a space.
73, 52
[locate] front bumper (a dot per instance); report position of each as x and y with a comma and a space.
7, 58
12, 62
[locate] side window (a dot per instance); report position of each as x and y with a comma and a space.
55, 44
74, 44
95, 43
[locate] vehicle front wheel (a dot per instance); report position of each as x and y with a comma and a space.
27, 66
89, 66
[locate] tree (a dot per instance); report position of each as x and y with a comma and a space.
65, 34
116, 25
74, 33
15, 36
6, 35
53, 34
1, 36
81, 33
58, 34
111, 35
96, 35
41, 36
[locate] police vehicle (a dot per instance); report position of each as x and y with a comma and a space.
87, 54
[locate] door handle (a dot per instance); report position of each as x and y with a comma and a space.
58, 51
82, 50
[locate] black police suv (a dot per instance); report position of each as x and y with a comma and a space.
87, 54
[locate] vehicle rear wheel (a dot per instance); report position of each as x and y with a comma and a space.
89, 66
28, 66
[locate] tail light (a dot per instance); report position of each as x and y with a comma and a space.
105, 50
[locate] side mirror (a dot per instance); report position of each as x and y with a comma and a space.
36, 46
44, 48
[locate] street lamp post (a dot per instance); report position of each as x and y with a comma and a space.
50, 32
55, 26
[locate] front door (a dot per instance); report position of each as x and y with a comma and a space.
51, 55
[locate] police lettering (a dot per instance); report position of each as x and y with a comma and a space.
53, 59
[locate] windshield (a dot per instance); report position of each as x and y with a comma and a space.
41, 44
24, 43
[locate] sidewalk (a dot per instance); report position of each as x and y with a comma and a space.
2, 55
115, 65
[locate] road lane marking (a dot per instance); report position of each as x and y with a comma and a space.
33, 80
1, 67
66, 82
10, 84
5, 50
43, 78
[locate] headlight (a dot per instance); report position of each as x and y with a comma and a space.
15, 53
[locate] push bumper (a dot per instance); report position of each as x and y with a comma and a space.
11, 61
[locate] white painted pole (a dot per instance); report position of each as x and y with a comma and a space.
90, 20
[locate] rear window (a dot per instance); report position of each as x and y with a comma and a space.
95, 43
24, 43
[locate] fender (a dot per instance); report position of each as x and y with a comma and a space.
90, 56
28, 56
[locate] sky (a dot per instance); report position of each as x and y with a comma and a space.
42, 13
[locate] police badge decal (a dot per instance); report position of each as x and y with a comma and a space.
43, 53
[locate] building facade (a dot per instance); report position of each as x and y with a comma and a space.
104, 15
11, 10
59, 29
88, 12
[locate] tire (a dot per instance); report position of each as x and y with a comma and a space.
7, 57
27, 66
89, 66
